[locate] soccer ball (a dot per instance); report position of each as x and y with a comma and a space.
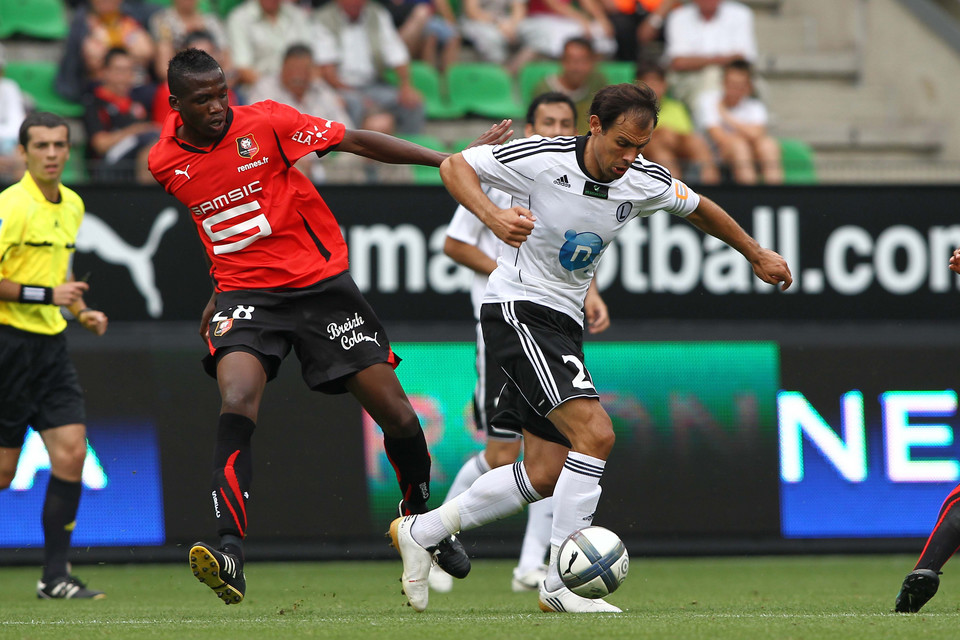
593, 562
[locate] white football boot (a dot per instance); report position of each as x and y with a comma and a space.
563, 600
529, 580
416, 563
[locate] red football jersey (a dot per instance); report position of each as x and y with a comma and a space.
262, 222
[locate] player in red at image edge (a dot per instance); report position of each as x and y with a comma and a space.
279, 268
922, 583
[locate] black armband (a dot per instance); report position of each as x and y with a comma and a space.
35, 295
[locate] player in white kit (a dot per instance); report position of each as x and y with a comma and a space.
571, 197
472, 244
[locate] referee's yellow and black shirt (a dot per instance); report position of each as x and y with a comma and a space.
37, 240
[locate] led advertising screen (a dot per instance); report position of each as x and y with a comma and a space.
867, 446
695, 425
122, 498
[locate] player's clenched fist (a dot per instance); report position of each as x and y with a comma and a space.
511, 225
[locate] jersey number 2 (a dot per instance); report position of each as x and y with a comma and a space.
258, 222
580, 380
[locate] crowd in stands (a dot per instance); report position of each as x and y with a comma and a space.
357, 61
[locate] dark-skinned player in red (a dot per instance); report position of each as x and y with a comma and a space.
279, 268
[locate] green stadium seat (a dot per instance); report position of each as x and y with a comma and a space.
531, 74
75, 171
45, 19
421, 174
426, 79
798, 165
226, 6
36, 79
483, 89
618, 71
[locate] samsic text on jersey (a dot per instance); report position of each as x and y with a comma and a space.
262, 222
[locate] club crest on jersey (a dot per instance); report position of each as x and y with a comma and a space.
223, 326
623, 211
247, 146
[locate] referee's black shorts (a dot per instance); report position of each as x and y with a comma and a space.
39, 386
329, 325
541, 352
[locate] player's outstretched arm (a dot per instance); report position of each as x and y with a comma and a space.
386, 148
768, 265
511, 225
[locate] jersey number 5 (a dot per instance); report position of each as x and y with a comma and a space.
258, 222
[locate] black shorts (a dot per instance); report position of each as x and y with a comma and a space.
39, 386
486, 395
541, 352
330, 326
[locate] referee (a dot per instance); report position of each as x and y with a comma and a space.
39, 219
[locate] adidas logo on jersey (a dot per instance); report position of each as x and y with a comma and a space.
562, 181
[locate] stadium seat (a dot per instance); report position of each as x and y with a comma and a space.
618, 71
75, 171
421, 174
797, 158
483, 89
45, 19
225, 6
36, 79
531, 74
426, 79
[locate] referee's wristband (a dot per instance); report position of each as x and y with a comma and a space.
80, 313
35, 295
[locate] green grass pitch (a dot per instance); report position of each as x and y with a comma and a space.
724, 598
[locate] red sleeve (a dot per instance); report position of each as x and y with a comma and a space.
299, 133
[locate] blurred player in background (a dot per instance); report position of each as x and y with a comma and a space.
281, 281
922, 583
473, 245
39, 219
572, 196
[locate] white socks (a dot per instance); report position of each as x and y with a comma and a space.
536, 539
496, 494
468, 474
575, 499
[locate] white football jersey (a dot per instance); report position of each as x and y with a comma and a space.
468, 229
576, 217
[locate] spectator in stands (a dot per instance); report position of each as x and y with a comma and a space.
105, 25
367, 44
12, 113
638, 27
701, 37
298, 85
260, 31
551, 23
578, 78
196, 40
428, 28
120, 132
493, 28
675, 143
171, 26
736, 123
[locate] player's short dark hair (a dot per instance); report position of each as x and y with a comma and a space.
189, 62
618, 100
41, 119
298, 49
112, 53
550, 97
